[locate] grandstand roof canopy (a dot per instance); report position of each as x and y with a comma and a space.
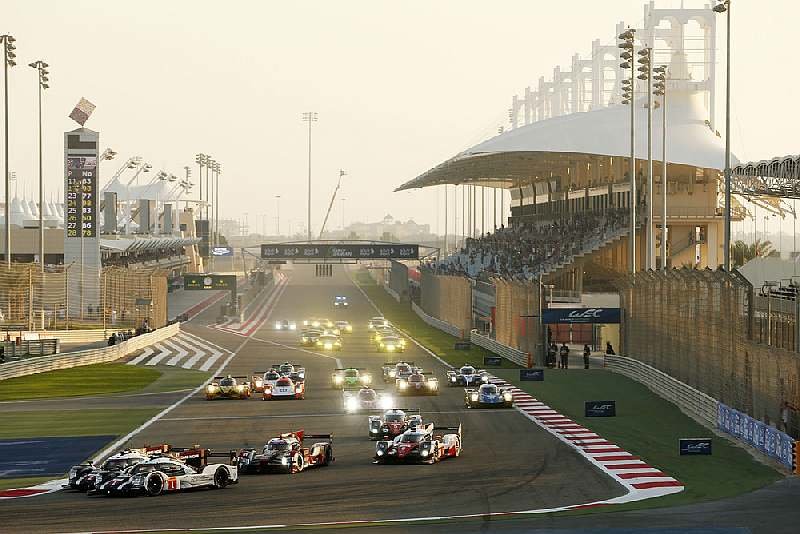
545, 148
145, 244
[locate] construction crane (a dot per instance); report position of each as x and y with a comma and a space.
333, 198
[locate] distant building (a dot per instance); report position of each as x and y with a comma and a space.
387, 229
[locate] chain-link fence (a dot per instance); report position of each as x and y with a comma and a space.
448, 298
398, 280
70, 297
517, 321
698, 326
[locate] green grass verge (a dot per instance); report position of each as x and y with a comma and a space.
12, 483
175, 378
435, 340
53, 423
648, 426
95, 379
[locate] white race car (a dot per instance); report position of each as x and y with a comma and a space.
285, 325
163, 474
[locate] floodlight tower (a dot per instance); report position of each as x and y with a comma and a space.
628, 88
310, 117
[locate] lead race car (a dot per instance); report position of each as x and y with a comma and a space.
88, 476
285, 388
365, 398
467, 375
188, 469
393, 423
418, 383
259, 381
287, 454
309, 336
391, 343
488, 396
228, 387
285, 325
340, 301
424, 444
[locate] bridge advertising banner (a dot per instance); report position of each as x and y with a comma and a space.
581, 315
763, 437
297, 251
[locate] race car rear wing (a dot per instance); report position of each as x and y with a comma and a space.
327, 437
452, 429
238, 376
386, 364
348, 368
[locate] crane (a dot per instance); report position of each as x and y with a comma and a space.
333, 198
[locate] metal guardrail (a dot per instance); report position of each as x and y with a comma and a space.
85, 357
437, 323
514, 355
30, 348
392, 293
692, 402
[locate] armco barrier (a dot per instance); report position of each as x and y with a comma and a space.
692, 402
514, 355
392, 293
85, 357
437, 323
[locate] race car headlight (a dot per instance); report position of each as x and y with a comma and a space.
211, 389
484, 379
304, 338
337, 379
285, 460
351, 404
259, 383
348, 328
379, 452
328, 346
390, 348
278, 325
292, 326
386, 403
474, 397
423, 453
373, 430
403, 385
365, 379
508, 397
393, 373
432, 384
452, 379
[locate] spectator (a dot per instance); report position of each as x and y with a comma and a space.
112, 339
785, 415
610, 349
551, 355
564, 353
586, 353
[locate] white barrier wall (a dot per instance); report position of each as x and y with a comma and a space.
692, 402
514, 355
437, 323
43, 364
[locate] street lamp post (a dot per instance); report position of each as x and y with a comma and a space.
310, 117
215, 207
646, 74
722, 7
627, 54
41, 67
661, 90
8, 56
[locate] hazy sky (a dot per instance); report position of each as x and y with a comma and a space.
399, 87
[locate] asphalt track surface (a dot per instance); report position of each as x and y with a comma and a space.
508, 463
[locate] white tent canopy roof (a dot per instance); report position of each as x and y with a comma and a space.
604, 132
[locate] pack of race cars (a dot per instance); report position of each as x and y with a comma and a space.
401, 435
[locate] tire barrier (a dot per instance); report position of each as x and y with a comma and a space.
43, 364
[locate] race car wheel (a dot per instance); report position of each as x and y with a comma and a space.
297, 464
328, 457
221, 478
154, 485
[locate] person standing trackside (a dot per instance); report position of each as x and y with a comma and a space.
785, 409
586, 353
609, 349
564, 353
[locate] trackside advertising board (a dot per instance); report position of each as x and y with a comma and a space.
694, 446
288, 251
581, 315
531, 375
765, 438
607, 408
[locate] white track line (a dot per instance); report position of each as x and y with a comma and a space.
146, 353
181, 352
162, 353
199, 353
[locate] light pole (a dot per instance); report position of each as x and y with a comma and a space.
445, 221
661, 90
310, 117
277, 215
9, 56
627, 54
215, 207
201, 160
646, 74
722, 7
41, 67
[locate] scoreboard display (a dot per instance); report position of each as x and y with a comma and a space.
81, 209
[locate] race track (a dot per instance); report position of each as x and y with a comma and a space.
508, 463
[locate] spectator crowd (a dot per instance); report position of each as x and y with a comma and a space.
526, 249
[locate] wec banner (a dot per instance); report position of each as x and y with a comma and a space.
765, 438
581, 315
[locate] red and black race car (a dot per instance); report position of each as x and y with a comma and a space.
423, 444
393, 423
286, 454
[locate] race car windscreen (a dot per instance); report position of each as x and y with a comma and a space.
394, 418
272, 375
142, 469
411, 438
467, 370
277, 446
489, 389
287, 368
351, 373
415, 378
120, 463
367, 394
227, 382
